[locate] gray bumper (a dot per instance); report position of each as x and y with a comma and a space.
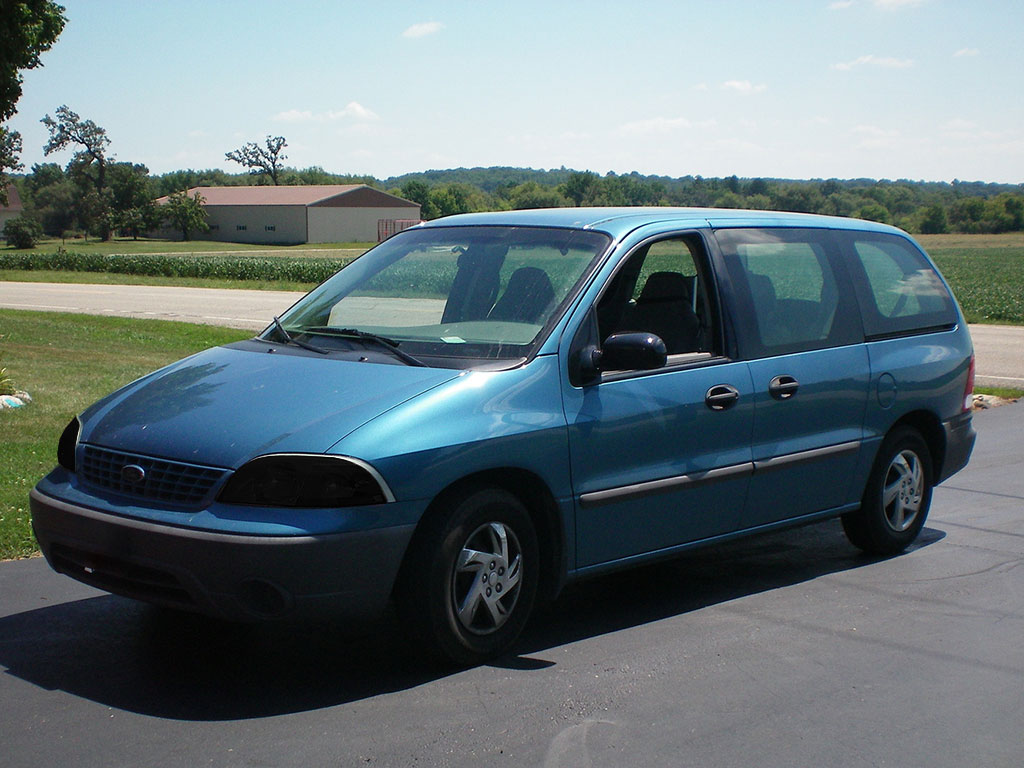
960, 437
231, 576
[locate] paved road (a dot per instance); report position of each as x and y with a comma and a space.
252, 310
1000, 362
790, 650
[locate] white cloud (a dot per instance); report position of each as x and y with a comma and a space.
654, 125
423, 29
966, 52
353, 110
884, 62
895, 5
743, 86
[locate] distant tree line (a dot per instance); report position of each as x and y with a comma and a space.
94, 194
920, 207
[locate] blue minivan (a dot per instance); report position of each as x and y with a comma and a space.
487, 406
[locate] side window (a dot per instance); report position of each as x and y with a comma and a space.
787, 288
898, 290
661, 290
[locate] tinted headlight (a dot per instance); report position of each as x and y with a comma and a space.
301, 480
68, 443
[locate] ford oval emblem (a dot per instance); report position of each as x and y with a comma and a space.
133, 474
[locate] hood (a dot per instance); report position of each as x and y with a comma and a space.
226, 405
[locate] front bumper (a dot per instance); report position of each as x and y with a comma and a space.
241, 577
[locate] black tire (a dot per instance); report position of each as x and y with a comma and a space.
896, 498
470, 579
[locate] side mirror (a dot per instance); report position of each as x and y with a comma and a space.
632, 352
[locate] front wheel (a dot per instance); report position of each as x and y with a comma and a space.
896, 497
471, 578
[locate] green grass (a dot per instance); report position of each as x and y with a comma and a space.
113, 278
1004, 392
66, 362
146, 245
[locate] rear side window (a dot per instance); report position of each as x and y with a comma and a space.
899, 291
788, 285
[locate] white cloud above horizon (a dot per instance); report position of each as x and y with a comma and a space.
895, 5
884, 62
423, 29
353, 110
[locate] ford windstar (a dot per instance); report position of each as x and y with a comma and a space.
485, 407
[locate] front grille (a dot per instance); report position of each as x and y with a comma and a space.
167, 481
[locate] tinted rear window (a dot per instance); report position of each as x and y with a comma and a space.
790, 290
898, 289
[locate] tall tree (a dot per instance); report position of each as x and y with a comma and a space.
261, 161
69, 129
27, 29
88, 166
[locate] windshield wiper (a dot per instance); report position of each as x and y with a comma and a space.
289, 339
382, 341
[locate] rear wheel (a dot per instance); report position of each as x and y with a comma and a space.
897, 496
471, 578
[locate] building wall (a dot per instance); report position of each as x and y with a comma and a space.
257, 223
343, 225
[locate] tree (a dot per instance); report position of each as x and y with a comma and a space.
88, 166
131, 199
70, 129
22, 232
186, 213
10, 148
417, 191
261, 161
27, 29
934, 221
530, 194
579, 186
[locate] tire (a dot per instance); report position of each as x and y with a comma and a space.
896, 498
470, 580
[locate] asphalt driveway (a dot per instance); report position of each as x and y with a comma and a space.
789, 650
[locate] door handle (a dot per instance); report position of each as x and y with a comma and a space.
783, 387
721, 397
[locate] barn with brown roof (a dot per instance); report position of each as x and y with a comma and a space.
334, 213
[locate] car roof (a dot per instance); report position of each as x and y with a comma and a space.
620, 221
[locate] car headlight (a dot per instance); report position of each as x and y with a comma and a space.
68, 443
305, 480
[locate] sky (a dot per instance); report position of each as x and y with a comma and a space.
886, 89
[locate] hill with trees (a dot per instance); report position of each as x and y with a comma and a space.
68, 201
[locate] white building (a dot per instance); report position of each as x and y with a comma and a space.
334, 213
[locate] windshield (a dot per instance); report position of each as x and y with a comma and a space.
450, 294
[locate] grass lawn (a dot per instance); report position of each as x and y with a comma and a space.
66, 362
112, 278
147, 245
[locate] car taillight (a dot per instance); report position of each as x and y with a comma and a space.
969, 388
